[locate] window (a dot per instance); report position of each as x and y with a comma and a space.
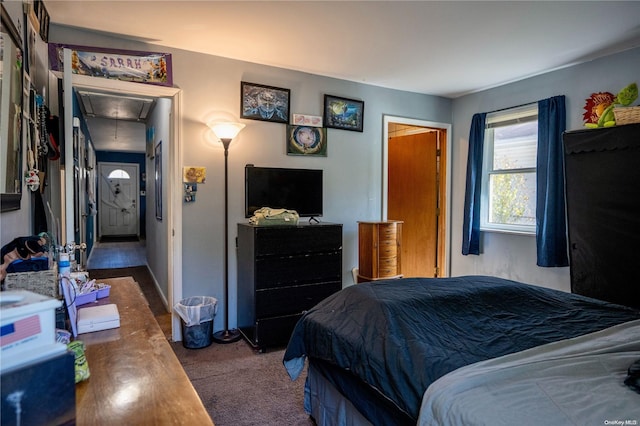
509, 171
119, 174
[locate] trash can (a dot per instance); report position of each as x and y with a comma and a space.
197, 315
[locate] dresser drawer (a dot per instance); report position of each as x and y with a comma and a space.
387, 272
270, 332
272, 272
282, 241
275, 331
388, 231
288, 300
387, 250
388, 262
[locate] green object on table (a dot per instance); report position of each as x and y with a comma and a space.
82, 366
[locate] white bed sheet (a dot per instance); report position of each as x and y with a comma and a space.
576, 382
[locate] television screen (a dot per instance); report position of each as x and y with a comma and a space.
280, 188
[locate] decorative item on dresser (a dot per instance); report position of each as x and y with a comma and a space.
627, 115
379, 250
282, 272
602, 185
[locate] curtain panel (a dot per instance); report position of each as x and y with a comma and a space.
551, 226
471, 221
551, 222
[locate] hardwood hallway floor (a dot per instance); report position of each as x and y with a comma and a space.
122, 259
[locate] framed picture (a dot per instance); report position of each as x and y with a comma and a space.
30, 63
307, 120
265, 103
306, 140
194, 174
343, 113
158, 180
150, 141
44, 26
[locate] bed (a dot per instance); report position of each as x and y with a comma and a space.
402, 351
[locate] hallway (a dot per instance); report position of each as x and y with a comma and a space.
117, 255
121, 259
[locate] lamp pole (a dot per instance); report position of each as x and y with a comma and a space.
226, 335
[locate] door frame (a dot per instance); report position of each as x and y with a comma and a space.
388, 119
173, 227
79, 194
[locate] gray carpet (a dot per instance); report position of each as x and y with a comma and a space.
240, 387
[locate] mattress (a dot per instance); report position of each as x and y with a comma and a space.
398, 337
573, 381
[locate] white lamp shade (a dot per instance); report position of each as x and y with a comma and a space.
225, 130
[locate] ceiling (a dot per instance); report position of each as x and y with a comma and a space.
96, 104
443, 48
115, 122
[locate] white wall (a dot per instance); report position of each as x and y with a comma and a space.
157, 230
513, 256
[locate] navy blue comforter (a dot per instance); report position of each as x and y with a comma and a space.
399, 336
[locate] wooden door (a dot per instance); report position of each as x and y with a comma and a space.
414, 197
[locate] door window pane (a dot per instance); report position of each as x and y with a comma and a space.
119, 174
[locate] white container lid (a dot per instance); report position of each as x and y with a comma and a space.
18, 303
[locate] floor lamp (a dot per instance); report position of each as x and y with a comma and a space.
226, 131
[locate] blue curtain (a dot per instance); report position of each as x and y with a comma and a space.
471, 221
551, 224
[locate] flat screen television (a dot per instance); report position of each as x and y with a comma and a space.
282, 188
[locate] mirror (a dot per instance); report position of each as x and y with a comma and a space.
10, 122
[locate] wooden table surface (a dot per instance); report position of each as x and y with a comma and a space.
136, 377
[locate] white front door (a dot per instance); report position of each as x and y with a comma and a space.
118, 208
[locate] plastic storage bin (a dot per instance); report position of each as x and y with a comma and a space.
197, 315
103, 290
27, 321
83, 299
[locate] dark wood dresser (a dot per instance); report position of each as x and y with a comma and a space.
602, 170
282, 272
